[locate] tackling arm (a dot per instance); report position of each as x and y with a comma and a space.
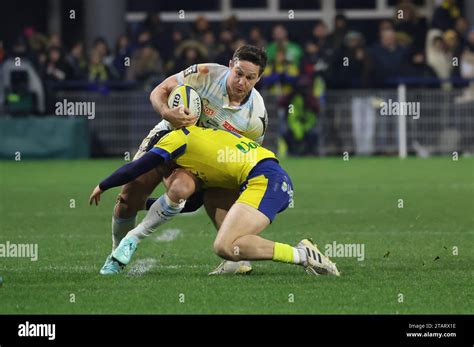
131, 171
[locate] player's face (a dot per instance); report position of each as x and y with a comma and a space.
243, 77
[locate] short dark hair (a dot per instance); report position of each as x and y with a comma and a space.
253, 54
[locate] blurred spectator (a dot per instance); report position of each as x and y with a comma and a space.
98, 71
407, 23
256, 37
445, 15
467, 60
190, 52
101, 47
386, 24
226, 52
77, 62
310, 58
232, 24
437, 55
239, 42
201, 26
388, 57
300, 132
358, 72
55, 68
325, 51
453, 49
280, 74
178, 34
467, 67
159, 36
123, 50
37, 43
209, 41
54, 41
336, 38
146, 65
416, 67
281, 45
462, 26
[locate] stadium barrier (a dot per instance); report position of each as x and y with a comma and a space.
366, 122
42, 138
123, 118
362, 122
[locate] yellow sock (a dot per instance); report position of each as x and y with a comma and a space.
285, 253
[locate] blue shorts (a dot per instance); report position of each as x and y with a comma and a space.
268, 188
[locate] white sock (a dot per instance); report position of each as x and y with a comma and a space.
120, 228
159, 213
299, 255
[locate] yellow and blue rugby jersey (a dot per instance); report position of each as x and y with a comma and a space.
219, 158
209, 80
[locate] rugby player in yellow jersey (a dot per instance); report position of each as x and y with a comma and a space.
265, 190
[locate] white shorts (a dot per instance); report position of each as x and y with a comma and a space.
163, 125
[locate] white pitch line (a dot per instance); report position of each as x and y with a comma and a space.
142, 266
168, 235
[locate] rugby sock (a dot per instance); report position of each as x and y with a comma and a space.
162, 210
286, 254
120, 228
149, 202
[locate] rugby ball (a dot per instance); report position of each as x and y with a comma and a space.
185, 95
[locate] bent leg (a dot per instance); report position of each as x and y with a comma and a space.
218, 202
237, 238
181, 185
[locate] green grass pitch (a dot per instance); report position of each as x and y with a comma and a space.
418, 259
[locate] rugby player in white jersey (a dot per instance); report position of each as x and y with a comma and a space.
230, 102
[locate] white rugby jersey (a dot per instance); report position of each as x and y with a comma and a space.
209, 80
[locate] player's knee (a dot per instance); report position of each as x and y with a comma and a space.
225, 250
181, 187
128, 205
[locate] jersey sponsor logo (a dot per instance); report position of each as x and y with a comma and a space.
190, 70
245, 147
207, 110
229, 126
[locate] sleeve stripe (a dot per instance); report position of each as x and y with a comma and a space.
161, 152
178, 152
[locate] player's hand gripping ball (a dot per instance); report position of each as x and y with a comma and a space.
185, 95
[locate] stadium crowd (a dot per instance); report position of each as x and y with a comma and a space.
301, 65
406, 46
